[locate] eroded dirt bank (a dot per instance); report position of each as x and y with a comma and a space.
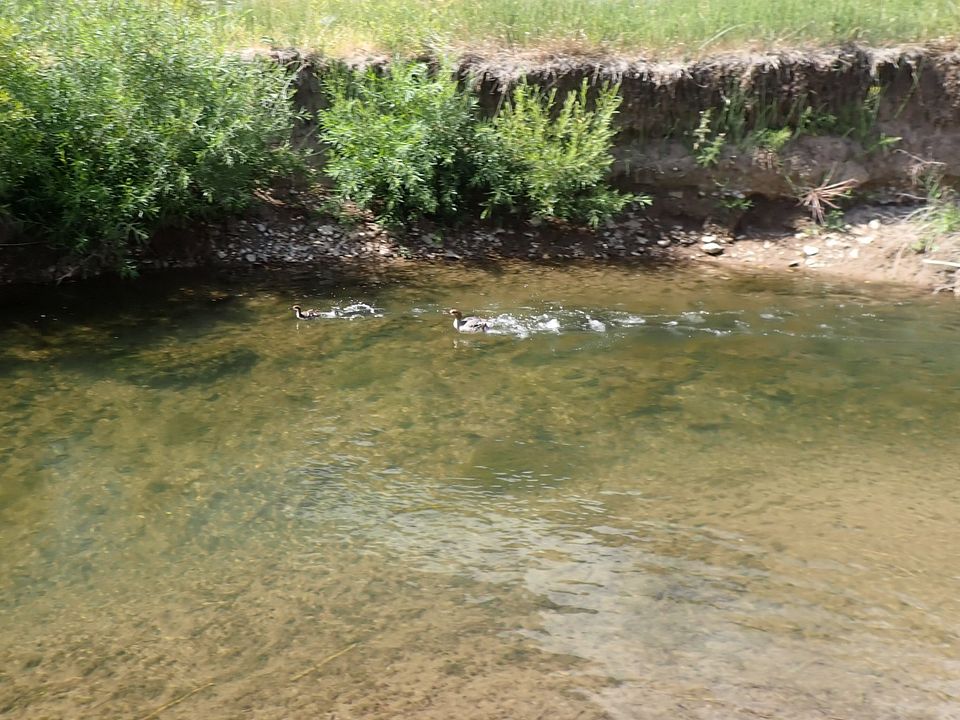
738, 152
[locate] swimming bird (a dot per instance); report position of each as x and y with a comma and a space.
468, 324
306, 314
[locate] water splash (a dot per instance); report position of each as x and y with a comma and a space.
596, 325
353, 311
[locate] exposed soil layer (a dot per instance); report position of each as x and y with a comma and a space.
898, 109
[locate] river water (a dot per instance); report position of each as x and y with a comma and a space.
644, 495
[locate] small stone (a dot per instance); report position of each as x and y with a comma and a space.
874, 224
250, 257
811, 262
712, 248
832, 242
708, 239
854, 253
793, 263
261, 227
865, 240
664, 242
810, 250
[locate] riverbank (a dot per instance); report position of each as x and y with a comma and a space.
867, 243
833, 161
870, 243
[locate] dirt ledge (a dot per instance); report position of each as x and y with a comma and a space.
875, 243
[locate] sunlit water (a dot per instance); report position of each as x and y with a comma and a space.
644, 495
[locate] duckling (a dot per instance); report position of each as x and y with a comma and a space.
306, 314
468, 324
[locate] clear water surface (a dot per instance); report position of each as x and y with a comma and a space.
646, 495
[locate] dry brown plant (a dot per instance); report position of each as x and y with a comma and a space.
816, 198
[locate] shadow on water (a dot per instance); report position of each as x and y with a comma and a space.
644, 495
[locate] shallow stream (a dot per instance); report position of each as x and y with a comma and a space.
644, 495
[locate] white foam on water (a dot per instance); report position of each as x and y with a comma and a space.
355, 311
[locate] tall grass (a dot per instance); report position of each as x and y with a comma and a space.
684, 27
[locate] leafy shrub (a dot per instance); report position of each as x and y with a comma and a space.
533, 163
20, 138
118, 117
410, 143
398, 143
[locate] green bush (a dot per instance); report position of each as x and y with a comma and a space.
410, 143
534, 163
118, 117
398, 143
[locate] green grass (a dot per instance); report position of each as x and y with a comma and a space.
673, 27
